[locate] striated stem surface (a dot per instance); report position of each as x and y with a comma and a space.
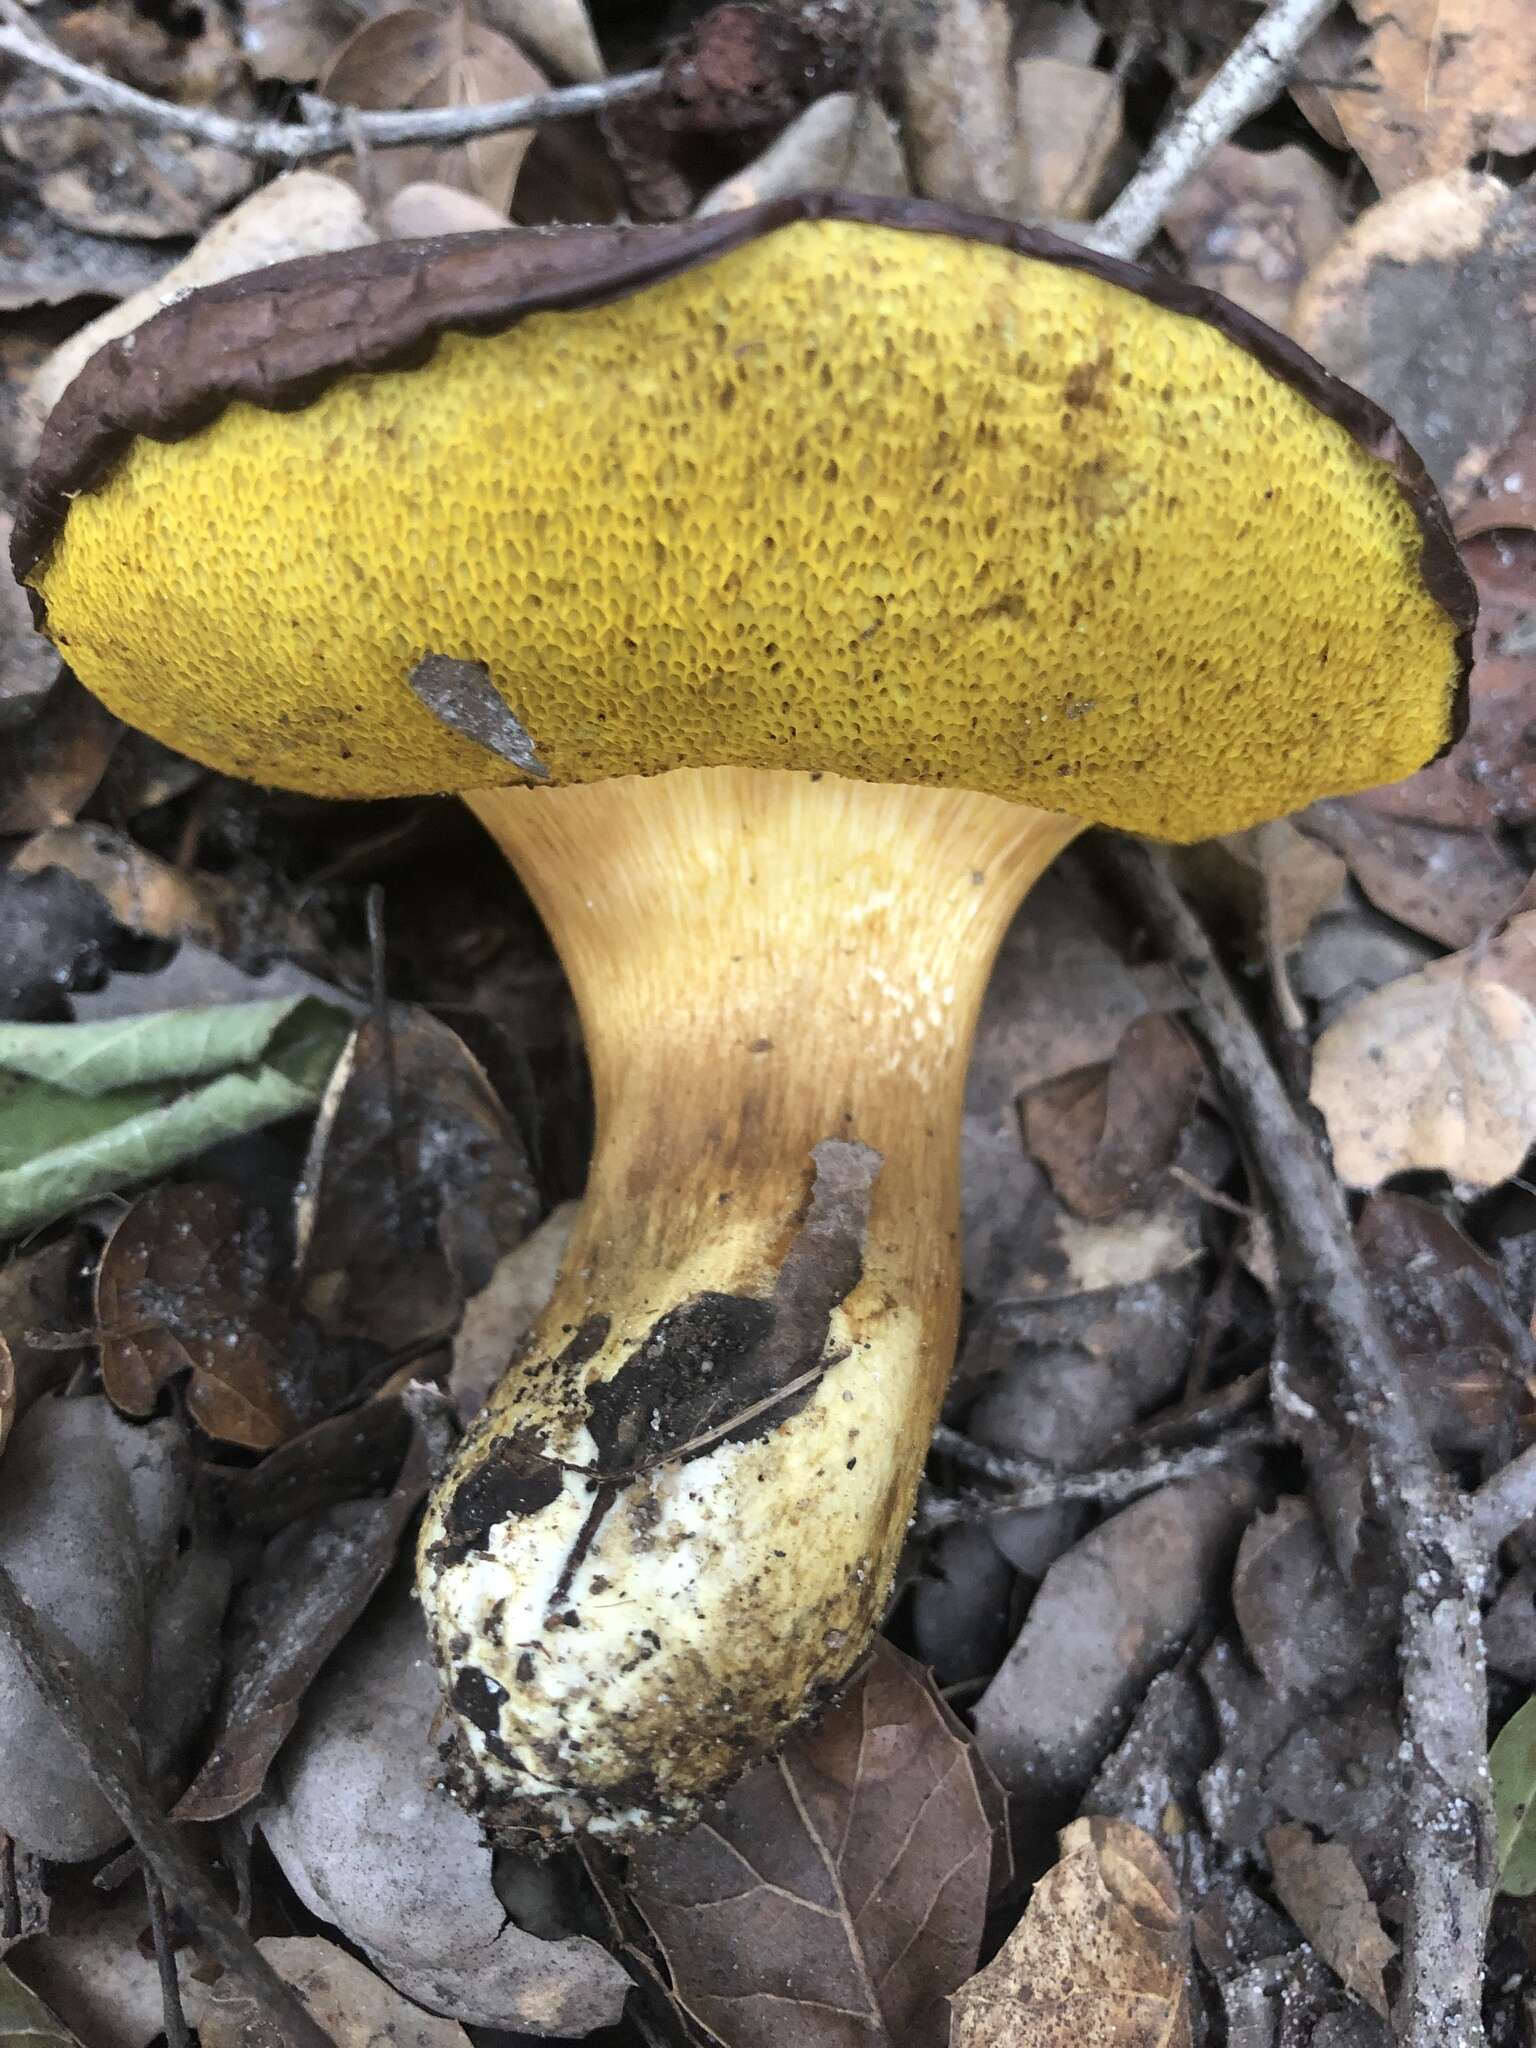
671, 1531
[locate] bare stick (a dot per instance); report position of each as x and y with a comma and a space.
72, 1693
1507, 1501
329, 129
1250, 78
1107, 1485
1440, 1552
176, 2035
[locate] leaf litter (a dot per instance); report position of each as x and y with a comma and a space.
1197, 1684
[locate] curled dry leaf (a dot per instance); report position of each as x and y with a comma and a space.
1322, 1890
1452, 886
55, 763
1100, 1959
47, 263
1252, 224
1426, 304
188, 1280
1071, 119
356, 2008
427, 208
1438, 83
557, 33
1437, 1072
837, 1892
415, 58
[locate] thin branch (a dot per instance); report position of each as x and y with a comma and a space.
1106, 1486
328, 130
1439, 1549
104, 1746
1506, 1502
176, 2035
1256, 70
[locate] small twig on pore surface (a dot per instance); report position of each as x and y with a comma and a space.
1249, 80
1441, 1553
71, 1693
1107, 1486
327, 130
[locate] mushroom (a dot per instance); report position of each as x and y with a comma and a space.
783, 590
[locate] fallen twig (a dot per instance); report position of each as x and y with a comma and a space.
327, 129
1107, 1485
1507, 1501
1249, 79
104, 1746
1440, 1549
176, 2035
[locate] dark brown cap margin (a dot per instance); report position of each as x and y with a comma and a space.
277, 338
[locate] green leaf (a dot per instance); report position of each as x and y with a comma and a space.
25, 2019
165, 1045
67, 1135
1512, 1762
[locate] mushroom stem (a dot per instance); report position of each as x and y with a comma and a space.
672, 1529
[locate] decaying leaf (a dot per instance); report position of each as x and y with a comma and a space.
95, 1527
356, 2008
1437, 1071
959, 118
55, 762
415, 58
1512, 1766
29, 664
1101, 1134
25, 2022
1108, 1617
1100, 1959
1252, 224
837, 1892
93, 1972
1454, 887
1489, 776
46, 263
313, 1582
1324, 1893
189, 1281
1427, 305
144, 893
417, 1182
375, 1848
556, 33
1438, 83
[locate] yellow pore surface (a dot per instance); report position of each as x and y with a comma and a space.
892, 505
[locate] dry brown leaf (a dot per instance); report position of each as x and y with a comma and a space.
837, 1892
427, 208
1103, 1132
414, 58
1437, 1071
1321, 1888
1100, 1958
1426, 304
556, 33
356, 2008
29, 664
1453, 887
1438, 83
187, 1281
144, 894
1252, 223
1071, 119
1489, 776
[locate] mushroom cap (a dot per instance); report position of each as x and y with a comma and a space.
864, 487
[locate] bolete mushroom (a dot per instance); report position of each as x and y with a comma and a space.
783, 590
